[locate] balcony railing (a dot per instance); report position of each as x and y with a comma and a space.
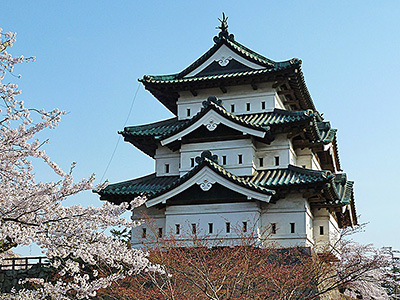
23, 263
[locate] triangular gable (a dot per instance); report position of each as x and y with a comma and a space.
224, 60
205, 178
211, 119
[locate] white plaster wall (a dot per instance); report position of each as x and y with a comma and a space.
291, 209
165, 156
230, 149
327, 241
218, 215
306, 158
151, 219
281, 147
259, 217
237, 95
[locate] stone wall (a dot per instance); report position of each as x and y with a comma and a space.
11, 278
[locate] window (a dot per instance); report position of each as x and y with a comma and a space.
160, 232
228, 227
321, 230
177, 229
210, 228
224, 159
232, 107
248, 106
194, 228
192, 162
261, 161
304, 166
276, 160
188, 112
273, 228
166, 168
263, 105
144, 233
292, 227
244, 226
240, 159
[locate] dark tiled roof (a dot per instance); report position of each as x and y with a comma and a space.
291, 176
326, 132
165, 87
317, 132
157, 129
338, 190
152, 186
172, 79
262, 121
344, 187
146, 185
268, 64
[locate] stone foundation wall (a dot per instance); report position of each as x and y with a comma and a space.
11, 278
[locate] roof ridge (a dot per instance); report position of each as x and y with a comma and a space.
166, 121
323, 173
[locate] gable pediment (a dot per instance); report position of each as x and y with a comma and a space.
205, 179
223, 61
211, 120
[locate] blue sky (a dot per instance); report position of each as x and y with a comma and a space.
91, 53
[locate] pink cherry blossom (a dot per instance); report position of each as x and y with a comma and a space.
32, 211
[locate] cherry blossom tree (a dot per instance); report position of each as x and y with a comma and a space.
73, 237
206, 270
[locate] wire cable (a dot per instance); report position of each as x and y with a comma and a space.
119, 136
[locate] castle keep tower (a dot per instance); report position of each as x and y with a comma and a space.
247, 152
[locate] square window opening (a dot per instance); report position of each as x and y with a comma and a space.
276, 160
232, 107
240, 159
160, 232
248, 106
192, 162
273, 228
292, 227
188, 112
194, 228
166, 168
228, 227
144, 233
321, 230
245, 226
210, 227
177, 229
261, 161
263, 105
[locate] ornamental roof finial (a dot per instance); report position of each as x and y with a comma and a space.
224, 30
224, 23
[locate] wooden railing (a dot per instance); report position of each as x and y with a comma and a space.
23, 263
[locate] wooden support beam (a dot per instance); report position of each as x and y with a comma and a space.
278, 83
286, 92
223, 89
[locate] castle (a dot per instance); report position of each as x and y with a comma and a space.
246, 153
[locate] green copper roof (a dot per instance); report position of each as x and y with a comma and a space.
290, 176
317, 132
166, 88
228, 40
152, 186
172, 79
337, 190
146, 185
261, 121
